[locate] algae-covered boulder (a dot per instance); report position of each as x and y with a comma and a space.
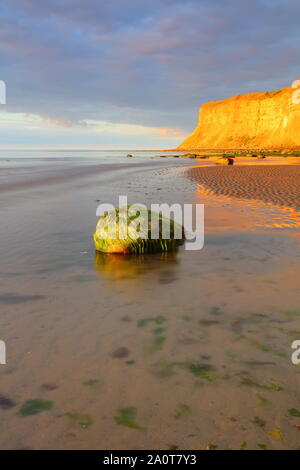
135, 229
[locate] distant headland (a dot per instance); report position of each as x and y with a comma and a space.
265, 121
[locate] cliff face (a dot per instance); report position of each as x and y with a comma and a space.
256, 120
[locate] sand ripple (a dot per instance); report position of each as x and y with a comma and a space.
275, 184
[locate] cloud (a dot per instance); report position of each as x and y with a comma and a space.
139, 63
92, 132
110, 128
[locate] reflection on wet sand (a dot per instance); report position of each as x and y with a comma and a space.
268, 183
274, 207
223, 213
118, 266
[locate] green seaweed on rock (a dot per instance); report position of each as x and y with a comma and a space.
131, 229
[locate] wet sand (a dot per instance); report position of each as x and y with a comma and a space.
274, 184
33, 178
174, 351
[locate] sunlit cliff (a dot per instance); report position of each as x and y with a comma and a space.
269, 120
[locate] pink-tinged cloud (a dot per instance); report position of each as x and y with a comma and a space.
170, 132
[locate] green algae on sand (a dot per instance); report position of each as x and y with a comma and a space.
182, 411
157, 320
92, 382
126, 417
82, 420
273, 386
201, 371
294, 412
35, 406
257, 421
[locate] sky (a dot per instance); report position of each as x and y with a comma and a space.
133, 73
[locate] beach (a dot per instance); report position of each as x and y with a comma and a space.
184, 350
275, 184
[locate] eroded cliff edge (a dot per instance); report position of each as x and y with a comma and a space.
269, 120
